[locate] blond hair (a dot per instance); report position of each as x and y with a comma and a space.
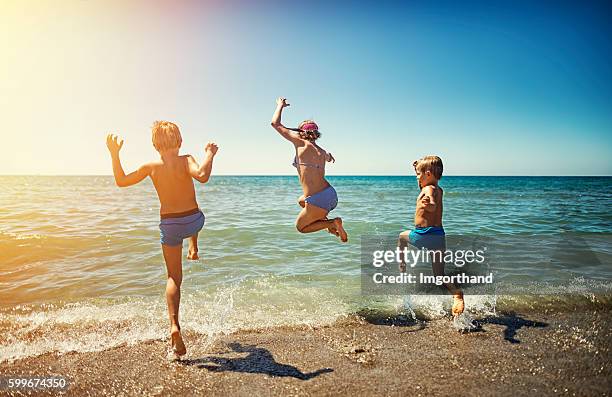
311, 135
430, 163
165, 135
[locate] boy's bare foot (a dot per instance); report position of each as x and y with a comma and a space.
402, 267
178, 347
193, 255
458, 303
340, 230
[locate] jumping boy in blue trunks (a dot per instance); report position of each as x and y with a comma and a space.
180, 215
428, 231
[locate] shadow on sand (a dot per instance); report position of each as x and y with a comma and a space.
258, 361
399, 320
513, 323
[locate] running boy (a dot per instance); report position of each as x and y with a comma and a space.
179, 212
428, 231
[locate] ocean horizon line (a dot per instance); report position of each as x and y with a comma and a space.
348, 175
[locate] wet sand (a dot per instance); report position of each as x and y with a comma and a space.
512, 354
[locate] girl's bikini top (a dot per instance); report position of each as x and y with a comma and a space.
296, 164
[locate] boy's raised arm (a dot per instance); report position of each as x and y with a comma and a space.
278, 126
122, 180
201, 173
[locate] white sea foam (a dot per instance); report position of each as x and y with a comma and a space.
268, 301
97, 325
437, 306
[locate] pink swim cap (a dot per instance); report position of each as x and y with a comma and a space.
310, 126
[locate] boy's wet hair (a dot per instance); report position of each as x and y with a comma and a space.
430, 163
166, 135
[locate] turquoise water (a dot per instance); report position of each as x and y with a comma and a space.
79, 253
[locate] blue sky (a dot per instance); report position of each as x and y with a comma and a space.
493, 88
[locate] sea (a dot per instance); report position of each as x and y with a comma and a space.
81, 267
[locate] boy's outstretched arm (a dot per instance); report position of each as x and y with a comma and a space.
201, 173
278, 126
121, 179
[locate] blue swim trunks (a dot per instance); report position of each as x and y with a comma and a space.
432, 238
173, 228
326, 199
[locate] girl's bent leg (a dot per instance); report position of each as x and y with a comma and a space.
312, 219
172, 256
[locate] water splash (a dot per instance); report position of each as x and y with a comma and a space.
432, 307
464, 322
223, 306
101, 324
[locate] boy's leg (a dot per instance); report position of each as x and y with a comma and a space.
172, 256
193, 247
402, 243
458, 303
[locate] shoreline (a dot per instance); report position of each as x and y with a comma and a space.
547, 353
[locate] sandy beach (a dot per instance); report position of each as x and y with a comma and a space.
305, 190
554, 353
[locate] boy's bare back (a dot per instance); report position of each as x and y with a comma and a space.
174, 184
172, 175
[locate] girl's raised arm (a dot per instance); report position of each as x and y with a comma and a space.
278, 126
